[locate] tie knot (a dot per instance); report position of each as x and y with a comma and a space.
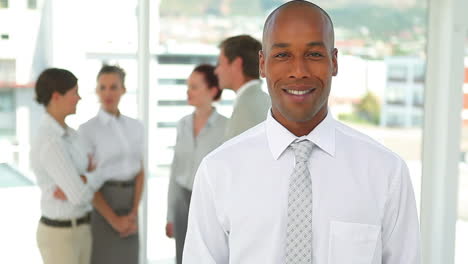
302, 150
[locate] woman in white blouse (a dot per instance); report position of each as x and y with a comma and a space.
59, 160
197, 134
116, 144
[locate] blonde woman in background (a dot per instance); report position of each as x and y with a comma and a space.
116, 144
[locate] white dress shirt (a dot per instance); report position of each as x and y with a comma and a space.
190, 150
364, 211
58, 159
116, 144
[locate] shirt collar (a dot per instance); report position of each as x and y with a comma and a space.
105, 117
247, 85
279, 138
54, 126
211, 119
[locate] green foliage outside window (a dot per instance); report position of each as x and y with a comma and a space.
367, 111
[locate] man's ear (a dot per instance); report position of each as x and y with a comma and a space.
213, 91
261, 63
237, 62
335, 61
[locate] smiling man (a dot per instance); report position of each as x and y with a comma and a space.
301, 187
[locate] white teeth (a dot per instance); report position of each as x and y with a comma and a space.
297, 92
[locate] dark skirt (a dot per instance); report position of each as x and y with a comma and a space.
108, 246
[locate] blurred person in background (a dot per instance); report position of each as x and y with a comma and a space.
116, 143
237, 70
58, 159
197, 134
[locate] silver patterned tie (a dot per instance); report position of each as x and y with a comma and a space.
299, 227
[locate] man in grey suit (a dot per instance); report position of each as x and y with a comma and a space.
238, 70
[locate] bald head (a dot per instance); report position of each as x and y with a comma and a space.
300, 10
298, 60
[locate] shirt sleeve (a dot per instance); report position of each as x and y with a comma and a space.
141, 143
171, 201
400, 231
88, 142
93, 177
94, 181
59, 166
171, 192
206, 240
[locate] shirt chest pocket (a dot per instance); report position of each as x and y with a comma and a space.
352, 243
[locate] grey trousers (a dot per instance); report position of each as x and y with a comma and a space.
108, 246
181, 211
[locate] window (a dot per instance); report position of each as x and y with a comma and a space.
418, 96
189, 35
186, 59
7, 114
396, 94
3, 3
419, 72
7, 103
7, 70
32, 4
461, 255
172, 81
397, 73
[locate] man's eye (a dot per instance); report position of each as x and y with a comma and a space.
281, 55
314, 54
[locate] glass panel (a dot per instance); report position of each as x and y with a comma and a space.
7, 115
461, 255
381, 64
79, 45
3, 3
7, 71
379, 89
32, 4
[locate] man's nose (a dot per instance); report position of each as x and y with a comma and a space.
299, 69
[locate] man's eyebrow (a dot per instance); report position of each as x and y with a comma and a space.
285, 45
280, 45
316, 43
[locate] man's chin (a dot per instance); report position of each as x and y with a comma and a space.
301, 117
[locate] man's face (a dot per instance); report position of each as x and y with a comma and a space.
298, 62
224, 71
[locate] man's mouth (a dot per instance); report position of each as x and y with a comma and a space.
299, 92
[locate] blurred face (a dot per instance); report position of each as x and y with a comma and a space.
224, 71
198, 92
109, 90
298, 62
68, 101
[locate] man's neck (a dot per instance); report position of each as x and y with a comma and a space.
300, 129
